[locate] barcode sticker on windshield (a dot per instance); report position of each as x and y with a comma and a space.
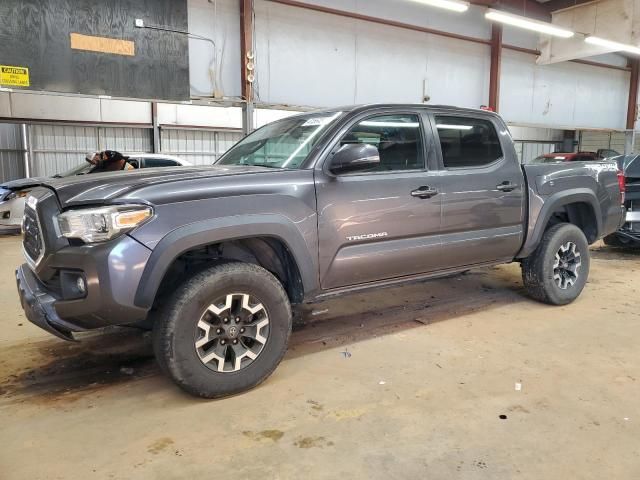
314, 122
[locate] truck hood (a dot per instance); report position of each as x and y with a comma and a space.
102, 187
23, 183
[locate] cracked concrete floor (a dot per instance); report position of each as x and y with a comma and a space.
407, 382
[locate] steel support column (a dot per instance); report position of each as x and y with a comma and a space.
155, 132
632, 106
247, 65
496, 61
25, 134
629, 142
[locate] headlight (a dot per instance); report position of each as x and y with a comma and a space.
103, 223
18, 194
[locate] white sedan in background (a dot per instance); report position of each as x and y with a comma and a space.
13, 194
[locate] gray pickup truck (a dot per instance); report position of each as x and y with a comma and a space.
304, 208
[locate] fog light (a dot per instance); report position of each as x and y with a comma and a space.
82, 287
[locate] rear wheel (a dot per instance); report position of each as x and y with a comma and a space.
225, 330
557, 271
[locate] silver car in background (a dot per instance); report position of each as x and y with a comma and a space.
13, 194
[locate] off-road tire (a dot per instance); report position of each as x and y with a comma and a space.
538, 268
173, 332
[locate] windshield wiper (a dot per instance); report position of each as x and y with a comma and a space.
57, 175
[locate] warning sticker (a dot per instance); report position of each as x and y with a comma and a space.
14, 76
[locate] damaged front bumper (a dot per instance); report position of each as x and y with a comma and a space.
38, 305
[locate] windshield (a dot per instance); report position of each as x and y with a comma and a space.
282, 144
77, 170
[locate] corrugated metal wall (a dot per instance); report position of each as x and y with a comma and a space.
57, 148
11, 152
591, 141
200, 147
527, 151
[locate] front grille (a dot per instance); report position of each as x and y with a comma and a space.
32, 236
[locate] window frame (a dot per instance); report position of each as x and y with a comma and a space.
438, 146
427, 147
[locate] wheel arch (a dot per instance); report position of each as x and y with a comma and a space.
579, 207
270, 241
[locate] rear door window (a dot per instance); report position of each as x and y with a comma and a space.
467, 142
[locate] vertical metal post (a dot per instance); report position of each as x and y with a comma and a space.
629, 142
248, 124
99, 139
632, 104
26, 148
496, 61
579, 141
247, 56
568, 140
155, 132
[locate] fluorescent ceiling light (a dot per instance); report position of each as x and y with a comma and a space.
445, 126
454, 5
527, 23
618, 47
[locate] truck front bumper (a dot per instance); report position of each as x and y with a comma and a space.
37, 304
111, 272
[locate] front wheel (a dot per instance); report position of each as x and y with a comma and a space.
557, 271
224, 331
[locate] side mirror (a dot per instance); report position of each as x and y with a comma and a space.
354, 157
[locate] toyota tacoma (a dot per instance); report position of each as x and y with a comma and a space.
307, 207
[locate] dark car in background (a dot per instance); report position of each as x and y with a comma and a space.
629, 175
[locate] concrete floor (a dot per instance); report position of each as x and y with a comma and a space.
402, 383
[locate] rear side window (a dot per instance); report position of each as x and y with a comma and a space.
467, 142
159, 162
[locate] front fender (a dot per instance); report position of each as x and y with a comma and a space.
216, 230
541, 209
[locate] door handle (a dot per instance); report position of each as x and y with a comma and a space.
506, 187
424, 192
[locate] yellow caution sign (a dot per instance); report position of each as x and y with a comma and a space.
14, 76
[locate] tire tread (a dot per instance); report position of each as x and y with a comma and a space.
533, 266
166, 323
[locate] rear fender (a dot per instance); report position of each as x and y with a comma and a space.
541, 209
